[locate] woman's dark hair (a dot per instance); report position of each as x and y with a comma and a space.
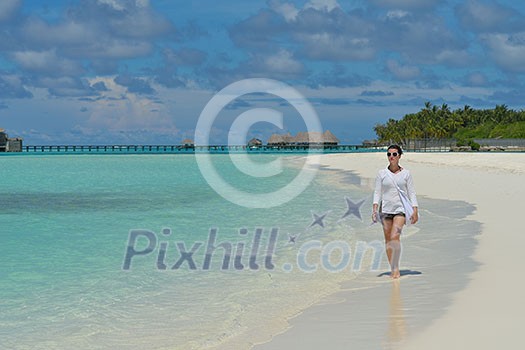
398, 148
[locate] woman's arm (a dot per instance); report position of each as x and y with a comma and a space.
413, 199
411, 191
377, 195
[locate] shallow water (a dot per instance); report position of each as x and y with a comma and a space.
66, 223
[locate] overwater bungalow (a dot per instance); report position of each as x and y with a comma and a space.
188, 143
304, 139
280, 140
8, 144
255, 143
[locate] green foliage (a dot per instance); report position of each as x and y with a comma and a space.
461, 142
463, 124
512, 131
474, 145
482, 131
468, 142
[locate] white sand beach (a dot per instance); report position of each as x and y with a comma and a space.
486, 309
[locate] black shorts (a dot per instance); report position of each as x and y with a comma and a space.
391, 216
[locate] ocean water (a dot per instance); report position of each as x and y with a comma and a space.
66, 228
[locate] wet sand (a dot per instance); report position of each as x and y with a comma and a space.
460, 285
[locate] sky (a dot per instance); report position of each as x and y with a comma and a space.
143, 71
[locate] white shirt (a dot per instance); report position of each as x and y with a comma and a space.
386, 192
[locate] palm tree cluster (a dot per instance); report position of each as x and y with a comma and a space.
433, 122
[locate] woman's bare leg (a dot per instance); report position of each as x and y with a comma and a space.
395, 244
387, 228
392, 229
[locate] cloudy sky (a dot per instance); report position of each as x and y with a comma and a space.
141, 72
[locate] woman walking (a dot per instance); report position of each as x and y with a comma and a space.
388, 206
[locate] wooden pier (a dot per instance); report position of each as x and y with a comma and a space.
174, 149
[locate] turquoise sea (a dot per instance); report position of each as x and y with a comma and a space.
66, 223
202, 272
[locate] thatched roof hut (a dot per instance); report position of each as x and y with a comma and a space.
370, 143
187, 142
254, 142
280, 140
301, 138
304, 138
275, 139
329, 138
309, 138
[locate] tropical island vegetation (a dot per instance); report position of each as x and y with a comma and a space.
463, 124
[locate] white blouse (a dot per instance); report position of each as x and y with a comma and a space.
386, 192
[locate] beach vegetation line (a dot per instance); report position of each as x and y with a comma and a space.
463, 124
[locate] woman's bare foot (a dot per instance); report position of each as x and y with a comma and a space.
395, 274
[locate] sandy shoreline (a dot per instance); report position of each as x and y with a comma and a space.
486, 310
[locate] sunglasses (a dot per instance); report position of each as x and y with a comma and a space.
388, 154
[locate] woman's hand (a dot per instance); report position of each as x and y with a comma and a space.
415, 217
375, 215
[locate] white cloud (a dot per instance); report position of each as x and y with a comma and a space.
11, 86
118, 5
322, 5
482, 16
185, 56
46, 62
8, 9
114, 49
117, 109
90, 29
507, 50
280, 65
454, 57
139, 23
476, 79
420, 39
397, 14
65, 33
339, 35
283, 62
406, 4
142, 3
402, 72
337, 47
287, 10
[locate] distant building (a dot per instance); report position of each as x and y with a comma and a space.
280, 140
14, 145
188, 143
304, 139
3, 140
9, 144
370, 143
254, 143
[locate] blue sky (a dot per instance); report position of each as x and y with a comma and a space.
141, 72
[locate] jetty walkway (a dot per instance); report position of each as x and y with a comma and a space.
184, 149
